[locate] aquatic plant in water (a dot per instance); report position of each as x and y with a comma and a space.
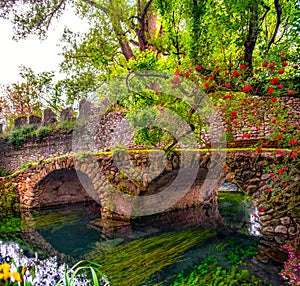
136, 261
209, 273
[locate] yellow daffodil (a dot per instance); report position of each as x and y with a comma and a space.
17, 276
5, 273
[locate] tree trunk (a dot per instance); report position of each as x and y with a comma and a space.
251, 37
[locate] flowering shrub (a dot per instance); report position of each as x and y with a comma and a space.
291, 271
234, 93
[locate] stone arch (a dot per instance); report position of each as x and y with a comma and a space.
45, 184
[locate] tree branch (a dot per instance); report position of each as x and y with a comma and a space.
51, 14
278, 22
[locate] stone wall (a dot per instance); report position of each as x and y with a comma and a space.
108, 132
247, 171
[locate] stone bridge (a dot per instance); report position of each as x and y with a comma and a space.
79, 178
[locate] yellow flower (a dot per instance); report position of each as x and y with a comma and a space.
5, 273
17, 276
5, 269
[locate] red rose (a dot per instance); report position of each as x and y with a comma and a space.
233, 114
282, 54
211, 77
206, 85
274, 80
247, 135
227, 85
290, 92
264, 64
198, 68
279, 137
243, 67
270, 91
281, 71
235, 74
247, 88
284, 64
259, 149
271, 65
187, 74
280, 86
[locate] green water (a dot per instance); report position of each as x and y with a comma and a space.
147, 253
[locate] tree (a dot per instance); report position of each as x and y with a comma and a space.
28, 97
131, 35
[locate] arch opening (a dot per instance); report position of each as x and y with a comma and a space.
62, 187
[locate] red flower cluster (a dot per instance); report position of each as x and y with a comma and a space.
230, 96
233, 114
247, 88
274, 80
246, 135
293, 141
271, 90
235, 73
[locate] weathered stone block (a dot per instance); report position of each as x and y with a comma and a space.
67, 114
20, 121
49, 117
85, 109
280, 229
35, 120
285, 220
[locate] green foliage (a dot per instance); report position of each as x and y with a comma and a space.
66, 126
43, 131
4, 173
209, 273
26, 165
240, 250
18, 136
8, 199
91, 269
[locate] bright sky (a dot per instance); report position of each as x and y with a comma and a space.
33, 53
